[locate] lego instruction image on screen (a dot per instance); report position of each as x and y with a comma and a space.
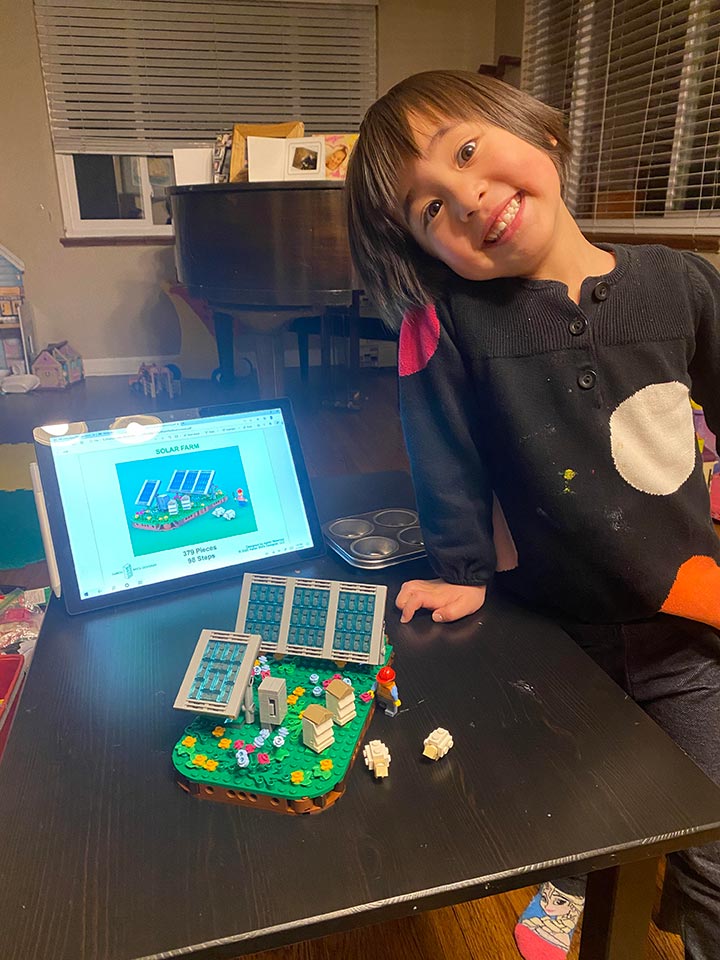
174, 499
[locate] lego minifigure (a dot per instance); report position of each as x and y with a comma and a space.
386, 691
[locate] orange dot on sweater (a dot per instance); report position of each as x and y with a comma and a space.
695, 594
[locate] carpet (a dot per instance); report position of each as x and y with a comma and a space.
20, 540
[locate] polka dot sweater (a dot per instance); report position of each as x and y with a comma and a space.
576, 418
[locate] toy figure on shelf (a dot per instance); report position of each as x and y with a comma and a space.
152, 380
386, 691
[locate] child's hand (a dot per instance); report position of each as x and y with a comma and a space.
448, 601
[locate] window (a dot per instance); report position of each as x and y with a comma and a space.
639, 81
127, 81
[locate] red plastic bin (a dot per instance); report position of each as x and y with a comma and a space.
11, 679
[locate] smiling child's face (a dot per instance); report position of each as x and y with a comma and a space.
482, 200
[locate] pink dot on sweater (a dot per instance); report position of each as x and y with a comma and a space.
419, 337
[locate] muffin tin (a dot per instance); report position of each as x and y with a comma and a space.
377, 539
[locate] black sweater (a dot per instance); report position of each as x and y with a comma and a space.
578, 417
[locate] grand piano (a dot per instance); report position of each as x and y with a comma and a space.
263, 256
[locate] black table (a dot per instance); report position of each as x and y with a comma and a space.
553, 772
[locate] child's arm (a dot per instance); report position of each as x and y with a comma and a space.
704, 367
448, 601
443, 424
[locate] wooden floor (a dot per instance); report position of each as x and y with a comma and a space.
338, 441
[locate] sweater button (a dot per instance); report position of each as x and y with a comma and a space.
577, 326
601, 290
587, 380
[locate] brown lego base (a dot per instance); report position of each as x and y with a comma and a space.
276, 802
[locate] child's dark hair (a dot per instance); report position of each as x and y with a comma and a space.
396, 273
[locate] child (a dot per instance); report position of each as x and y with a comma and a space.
552, 377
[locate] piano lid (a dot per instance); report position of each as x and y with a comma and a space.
264, 244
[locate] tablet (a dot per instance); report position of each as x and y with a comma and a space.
142, 505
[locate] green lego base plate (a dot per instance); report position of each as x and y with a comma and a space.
277, 771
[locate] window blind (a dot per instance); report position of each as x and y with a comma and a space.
143, 76
640, 83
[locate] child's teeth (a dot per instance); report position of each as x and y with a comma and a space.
509, 214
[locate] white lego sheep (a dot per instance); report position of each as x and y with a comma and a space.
218, 512
377, 758
229, 514
437, 744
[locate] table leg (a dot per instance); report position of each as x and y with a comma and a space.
617, 911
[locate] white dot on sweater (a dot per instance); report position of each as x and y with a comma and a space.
652, 438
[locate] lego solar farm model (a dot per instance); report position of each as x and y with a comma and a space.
284, 701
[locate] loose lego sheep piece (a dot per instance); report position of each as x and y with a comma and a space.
377, 758
437, 744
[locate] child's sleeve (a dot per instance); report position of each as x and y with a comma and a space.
442, 426
704, 366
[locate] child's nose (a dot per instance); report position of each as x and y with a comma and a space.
468, 197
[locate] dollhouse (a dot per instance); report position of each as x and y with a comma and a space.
13, 347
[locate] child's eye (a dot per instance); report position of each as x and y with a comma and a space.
431, 210
466, 152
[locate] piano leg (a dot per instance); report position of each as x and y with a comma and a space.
224, 340
270, 355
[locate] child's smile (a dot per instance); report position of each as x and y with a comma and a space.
484, 201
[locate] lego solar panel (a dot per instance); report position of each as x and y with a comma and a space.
354, 623
308, 619
147, 493
203, 482
315, 618
218, 673
189, 481
262, 601
176, 480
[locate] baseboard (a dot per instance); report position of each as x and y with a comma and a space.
121, 366
385, 356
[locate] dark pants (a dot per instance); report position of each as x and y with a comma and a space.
671, 668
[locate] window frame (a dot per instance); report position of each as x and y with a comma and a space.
76, 227
674, 225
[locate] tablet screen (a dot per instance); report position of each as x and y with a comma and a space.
142, 505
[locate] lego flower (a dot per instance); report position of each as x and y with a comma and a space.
297, 776
313, 678
242, 758
199, 759
211, 765
367, 696
263, 758
189, 741
278, 741
326, 764
218, 731
239, 744
224, 743
317, 691
299, 691
292, 699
